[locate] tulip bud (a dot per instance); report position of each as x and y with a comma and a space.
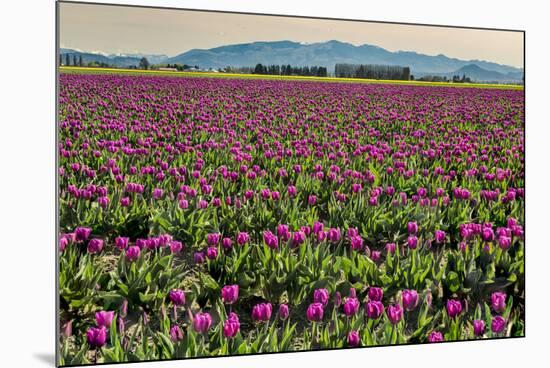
315, 312
283, 311
479, 327
353, 339
230, 294
96, 337
104, 318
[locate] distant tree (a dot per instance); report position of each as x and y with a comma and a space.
74, 60
80, 63
412, 77
67, 60
259, 69
60, 59
144, 63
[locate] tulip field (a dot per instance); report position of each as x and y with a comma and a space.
204, 216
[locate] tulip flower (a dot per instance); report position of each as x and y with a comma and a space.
395, 313
353, 339
121, 242
374, 309
95, 246
439, 236
315, 312
412, 242
96, 336
375, 293
177, 297
435, 336
132, 253
454, 308
410, 299
104, 318
351, 306
321, 296
498, 324
412, 227
498, 301
479, 327
230, 294
283, 311
261, 312
82, 233
202, 322
242, 238
176, 334
231, 326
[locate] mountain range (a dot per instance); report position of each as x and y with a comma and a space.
322, 54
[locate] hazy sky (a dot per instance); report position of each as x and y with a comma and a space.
118, 29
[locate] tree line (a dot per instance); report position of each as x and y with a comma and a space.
310, 71
372, 71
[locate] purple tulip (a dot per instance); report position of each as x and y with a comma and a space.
321, 296
391, 248
271, 240
439, 236
96, 336
353, 339
95, 246
318, 227
298, 238
82, 233
374, 309
176, 247
394, 313
242, 238
132, 253
498, 324
487, 234
230, 294
283, 311
334, 235
311, 200
121, 242
479, 327
454, 308
351, 306
291, 191
176, 334
283, 232
412, 242
177, 297
498, 301
199, 257
125, 201
410, 299
104, 318
202, 322
357, 243
213, 238
435, 336
375, 293
412, 228
315, 312
231, 326
212, 252
261, 312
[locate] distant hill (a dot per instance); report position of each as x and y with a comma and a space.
325, 54
328, 54
119, 60
477, 73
